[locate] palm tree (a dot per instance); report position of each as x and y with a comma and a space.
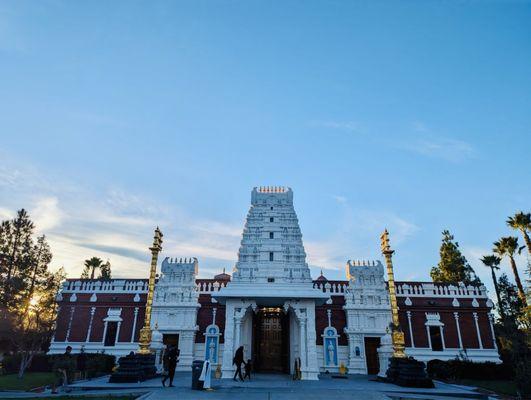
92, 264
507, 246
522, 222
492, 262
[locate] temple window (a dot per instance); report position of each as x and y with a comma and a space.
270, 256
271, 235
435, 338
271, 219
110, 335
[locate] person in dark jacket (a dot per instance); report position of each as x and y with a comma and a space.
171, 359
238, 361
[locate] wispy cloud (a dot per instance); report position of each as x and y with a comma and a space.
357, 237
427, 142
448, 149
115, 224
349, 126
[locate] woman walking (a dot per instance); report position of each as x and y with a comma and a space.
238, 361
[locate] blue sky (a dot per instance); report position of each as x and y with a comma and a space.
119, 116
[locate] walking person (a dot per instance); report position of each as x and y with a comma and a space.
172, 359
238, 361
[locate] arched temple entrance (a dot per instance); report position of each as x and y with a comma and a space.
271, 340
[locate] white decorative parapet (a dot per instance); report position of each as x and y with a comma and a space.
105, 286
429, 289
209, 286
331, 287
134, 286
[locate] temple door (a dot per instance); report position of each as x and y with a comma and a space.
371, 355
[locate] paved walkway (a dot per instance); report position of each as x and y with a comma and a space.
271, 387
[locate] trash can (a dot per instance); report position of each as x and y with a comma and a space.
197, 367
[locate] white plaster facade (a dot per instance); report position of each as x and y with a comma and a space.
367, 309
175, 305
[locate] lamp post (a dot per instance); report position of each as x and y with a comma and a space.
145, 332
397, 334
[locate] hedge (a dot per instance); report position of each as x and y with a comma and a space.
463, 369
97, 364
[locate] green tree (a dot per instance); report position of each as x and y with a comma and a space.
453, 266
492, 262
511, 304
33, 325
105, 270
507, 247
16, 252
28, 298
522, 222
91, 265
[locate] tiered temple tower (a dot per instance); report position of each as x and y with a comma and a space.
271, 247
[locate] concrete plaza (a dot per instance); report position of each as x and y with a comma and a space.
271, 387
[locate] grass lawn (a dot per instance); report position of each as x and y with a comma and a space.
30, 380
502, 387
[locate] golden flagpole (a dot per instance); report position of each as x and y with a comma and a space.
399, 343
145, 332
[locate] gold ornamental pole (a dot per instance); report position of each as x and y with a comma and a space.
145, 332
399, 343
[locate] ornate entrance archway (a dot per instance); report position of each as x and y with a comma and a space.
271, 340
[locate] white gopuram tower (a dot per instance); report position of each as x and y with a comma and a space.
271, 272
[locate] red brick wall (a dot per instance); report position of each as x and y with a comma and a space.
81, 318
443, 306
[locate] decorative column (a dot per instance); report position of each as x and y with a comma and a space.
301, 316
397, 334
491, 323
134, 325
89, 330
408, 313
238, 316
477, 329
72, 309
117, 339
227, 369
104, 331
145, 332
456, 317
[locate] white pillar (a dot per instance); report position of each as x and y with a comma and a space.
237, 332
410, 328
227, 368
117, 332
429, 337
477, 329
186, 348
491, 323
70, 323
89, 330
104, 332
134, 325
442, 337
456, 317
